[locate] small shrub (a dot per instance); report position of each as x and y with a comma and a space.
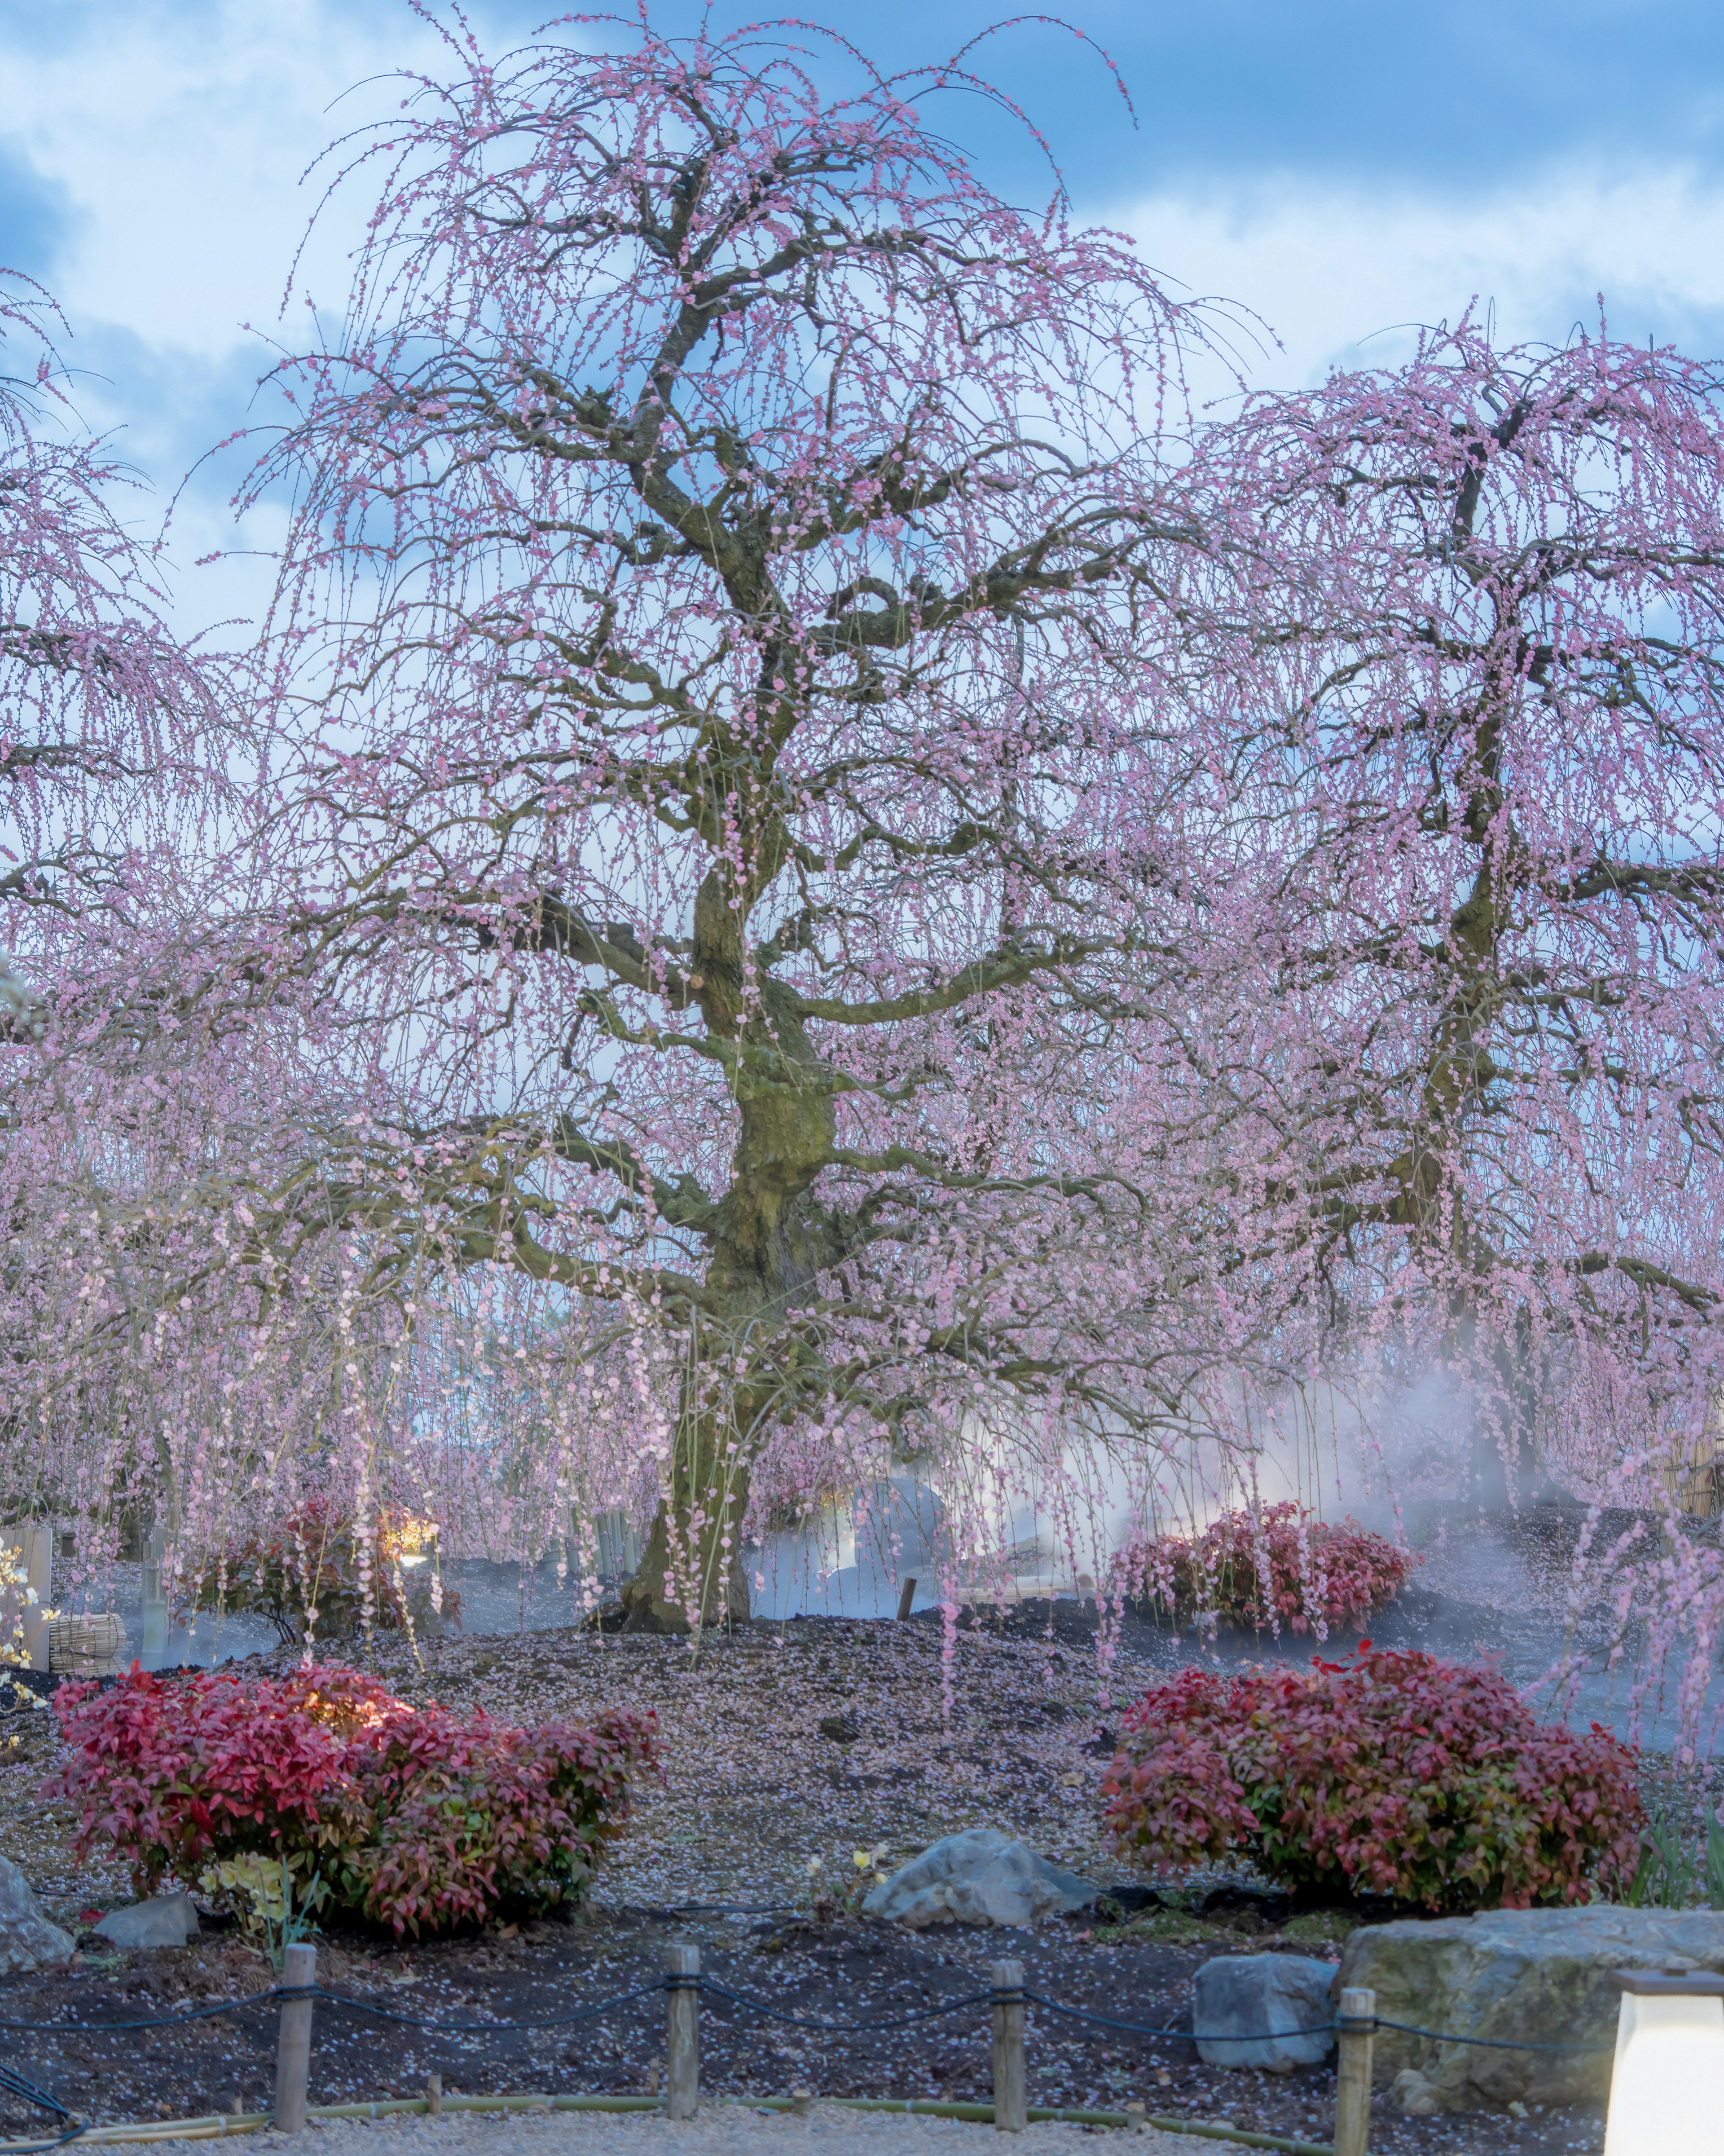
405, 1816
1280, 1566
1677, 1869
313, 1560
1393, 1774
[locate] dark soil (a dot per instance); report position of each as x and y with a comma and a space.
843, 1968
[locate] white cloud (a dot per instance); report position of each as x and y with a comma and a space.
1327, 267
180, 136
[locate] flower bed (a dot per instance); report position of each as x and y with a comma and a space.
1394, 1774
407, 1817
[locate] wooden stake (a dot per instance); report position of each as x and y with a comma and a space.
906, 1599
682, 2033
1007, 1977
1356, 2026
293, 2040
434, 2095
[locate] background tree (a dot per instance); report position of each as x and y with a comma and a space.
1471, 740
114, 739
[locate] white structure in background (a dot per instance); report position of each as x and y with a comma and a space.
152, 1643
619, 1545
851, 1559
26, 1597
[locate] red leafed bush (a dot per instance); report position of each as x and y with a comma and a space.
313, 1566
403, 1816
1394, 1774
1281, 1564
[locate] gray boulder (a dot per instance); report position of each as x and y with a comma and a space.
166, 1920
1236, 1996
28, 1940
1529, 1976
980, 1877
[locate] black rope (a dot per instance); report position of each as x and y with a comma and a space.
704, 1985
843, 2028
1487, 2043
14, 2084
1186, 2036
39, 2099
715, 1909
1322, 2029
472, 2028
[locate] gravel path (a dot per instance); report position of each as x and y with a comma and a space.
719, 2130
731, 2129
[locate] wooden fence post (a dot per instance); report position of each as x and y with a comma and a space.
1007, 1977
682, 2033
1356, 2026
434, 2095
906, 1599
293, 2040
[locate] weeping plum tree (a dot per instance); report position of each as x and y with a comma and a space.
113, 737
721, 775
1471, 734
102, 705
983, 914
825, 872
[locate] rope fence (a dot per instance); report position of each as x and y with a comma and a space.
684, 1987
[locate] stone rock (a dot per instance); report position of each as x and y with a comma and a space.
166, 1920
1236, 1996
1531, 1976
980, 1877
1412, 2093
28, 1940
842, 1728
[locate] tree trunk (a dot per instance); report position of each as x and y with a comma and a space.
686, 1571
769, 1243
650, 1599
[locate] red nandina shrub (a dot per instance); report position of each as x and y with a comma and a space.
1280, 1565
405, 1815
314, 1561
1394, 1774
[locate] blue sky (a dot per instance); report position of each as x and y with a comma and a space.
1341, 166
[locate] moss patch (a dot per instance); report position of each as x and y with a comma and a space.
1167, 1928
1322, 1927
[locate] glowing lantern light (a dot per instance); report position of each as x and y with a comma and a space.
1667, 2084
